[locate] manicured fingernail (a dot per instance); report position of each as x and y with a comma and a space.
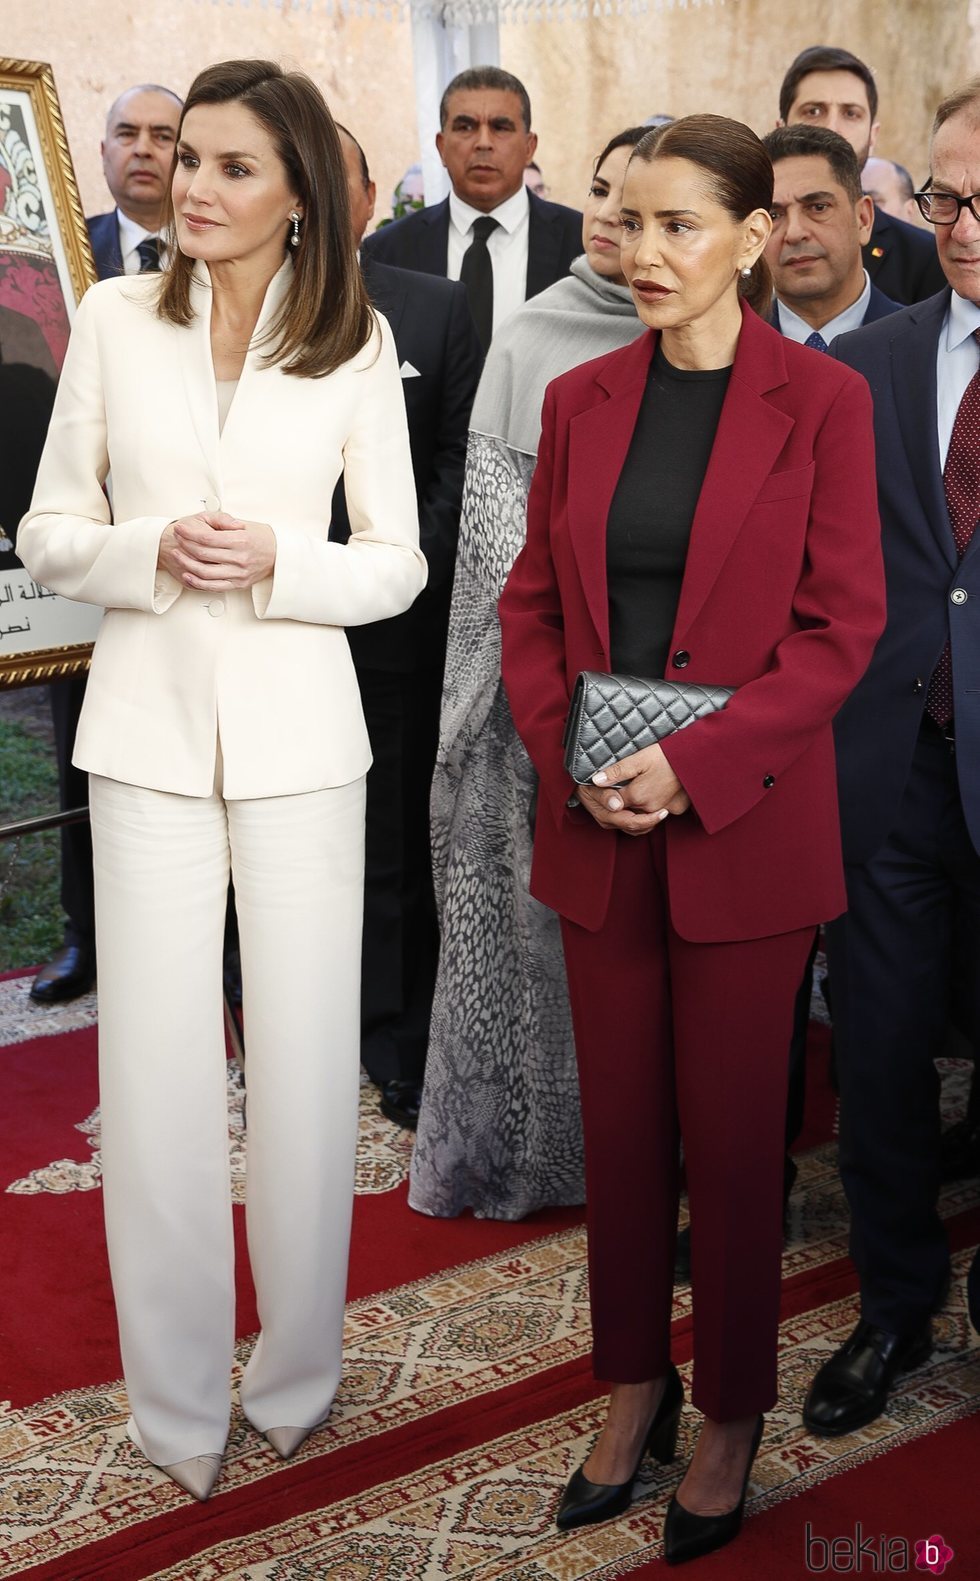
601, 778
614, 804
662, 814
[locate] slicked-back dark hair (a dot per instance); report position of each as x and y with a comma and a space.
361, 155
825, 57
326, 319
739, 173
788, 142
485, 77
627, 139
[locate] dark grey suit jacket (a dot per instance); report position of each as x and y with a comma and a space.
875, 731
103, 230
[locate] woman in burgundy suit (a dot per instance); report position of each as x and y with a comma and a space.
704, 509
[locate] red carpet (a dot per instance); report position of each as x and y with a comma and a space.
467, 1395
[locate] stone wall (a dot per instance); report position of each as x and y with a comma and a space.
587, 79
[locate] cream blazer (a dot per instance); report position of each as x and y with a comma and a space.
268, 670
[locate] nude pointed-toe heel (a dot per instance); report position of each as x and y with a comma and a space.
197, 1476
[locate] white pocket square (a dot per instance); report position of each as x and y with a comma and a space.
408, 372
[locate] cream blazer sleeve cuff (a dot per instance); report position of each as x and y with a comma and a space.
381, 570
68, 540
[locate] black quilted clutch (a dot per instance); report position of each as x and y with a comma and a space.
613, 715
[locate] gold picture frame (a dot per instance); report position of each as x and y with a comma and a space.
46, 266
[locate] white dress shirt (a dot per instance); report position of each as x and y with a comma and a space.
507, 246
957, 360
130, 236
852, 317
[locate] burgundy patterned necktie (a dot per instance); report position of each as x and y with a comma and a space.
961, 480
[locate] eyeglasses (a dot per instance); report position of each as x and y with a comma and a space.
945, 208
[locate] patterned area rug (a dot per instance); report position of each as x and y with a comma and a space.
466, 1402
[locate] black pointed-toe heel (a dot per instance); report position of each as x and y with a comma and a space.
688, 1536
584, 1502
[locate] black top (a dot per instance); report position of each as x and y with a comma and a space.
650, 517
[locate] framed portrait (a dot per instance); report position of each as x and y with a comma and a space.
45, 267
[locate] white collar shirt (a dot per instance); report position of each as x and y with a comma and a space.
507, 246
796, 328
130, 236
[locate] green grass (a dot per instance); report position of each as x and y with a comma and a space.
31, 920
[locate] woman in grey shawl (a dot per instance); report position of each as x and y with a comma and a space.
499, 1129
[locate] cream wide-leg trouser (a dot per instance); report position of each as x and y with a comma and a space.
161, 879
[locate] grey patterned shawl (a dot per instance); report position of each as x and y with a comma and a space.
499, 1130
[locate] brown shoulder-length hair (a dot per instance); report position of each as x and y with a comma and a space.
326, 318
739, 173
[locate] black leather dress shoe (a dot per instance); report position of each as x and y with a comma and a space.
584, 1502
400, 1101
852, 1388
68, 974
688, 1536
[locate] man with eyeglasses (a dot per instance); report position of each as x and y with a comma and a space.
908, 752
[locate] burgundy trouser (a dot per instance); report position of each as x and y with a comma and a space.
675, 1039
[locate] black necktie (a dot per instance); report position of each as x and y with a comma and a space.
477, 276
149, 254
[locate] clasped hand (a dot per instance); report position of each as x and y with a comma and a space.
635, 794
217, 552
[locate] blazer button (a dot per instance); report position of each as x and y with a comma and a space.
210, 504
680, 659
768, 782
216, 607
917, 685
959, 595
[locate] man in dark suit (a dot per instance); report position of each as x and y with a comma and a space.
137, 159
400, 662
830, 87
501, 240
821, 221
908, 750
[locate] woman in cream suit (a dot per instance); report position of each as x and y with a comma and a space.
222, 730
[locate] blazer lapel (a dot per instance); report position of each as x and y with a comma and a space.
386, 291
197, 372
751, 433
913, 371
197, 366
543, 249
598, 442
436, 238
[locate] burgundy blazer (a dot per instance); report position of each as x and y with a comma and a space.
782, 597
